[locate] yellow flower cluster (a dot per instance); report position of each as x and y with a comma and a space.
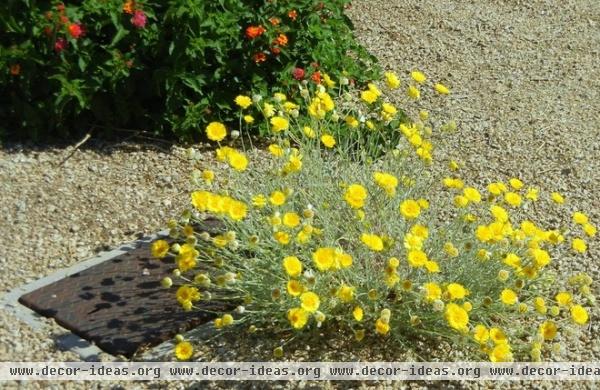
341, 222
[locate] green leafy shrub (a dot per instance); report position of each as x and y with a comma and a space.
161, 65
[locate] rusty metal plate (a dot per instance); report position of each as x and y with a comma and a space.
119, 304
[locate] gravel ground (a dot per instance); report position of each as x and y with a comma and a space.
525, 86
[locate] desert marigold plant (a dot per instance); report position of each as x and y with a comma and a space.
331, 228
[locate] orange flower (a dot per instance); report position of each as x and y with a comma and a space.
316, 77
281, 40
260, 57
129, 7
254, 31
293, 14
15, 69
274, 21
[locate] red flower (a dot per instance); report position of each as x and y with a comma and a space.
298, 73
64, 19
316, 77
254, 31
139, 19
293, 14
15, 69
60, 45
275, 50
75, 30
48, 31
260, 57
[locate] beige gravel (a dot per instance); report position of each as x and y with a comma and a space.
525, 85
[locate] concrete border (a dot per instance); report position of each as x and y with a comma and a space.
69, 341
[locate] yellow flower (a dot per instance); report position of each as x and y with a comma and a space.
352, 121
432, 266
579, 245
532, 194
328, 81
324, 258
499, 213
243, 101
457, 317
450, 249
386, 181
456, 291
441, 89
310, 133
249, 119
328, 141
563, 298
392, 80
294, 288
268, 110
418, 76
420, 231
357, 313
453, 183
292, 266
345, 293
282, 238
515, 183
548, 330
187, 293
215, 131
557, 198
355, 196
580, 218
382, 327
160, 248
279, 124
237, 160
508, 296
237, 210
298, 317
321, 105
291, 220
481, 334
496, 188
279, 97
410, 209
208, 175
413, 92
513, 199
501, 353
498, 336
432, 291
184, 350
590, 229
472, 194
372, 241
310, 301
276, 150
417, 258
579, 314
369, 96
277, 198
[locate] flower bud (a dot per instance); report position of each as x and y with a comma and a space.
176, 273
235, 134
175, 248
278, 352
503, 275
204, 236
438, 305
256, 98
166, 282
178, 338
